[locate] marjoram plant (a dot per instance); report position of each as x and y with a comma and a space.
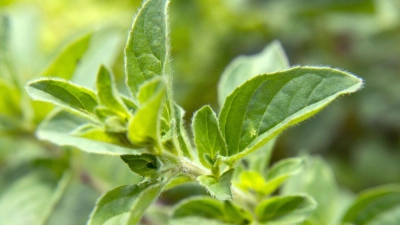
259, 97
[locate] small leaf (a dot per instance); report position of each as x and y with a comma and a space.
144, 164
373, 204
207, 136
251, 181
146, 53
108, 94
265, 105
65, 63
242, 68
58, 128
144, 127
181, 133
285, 209
218, 188
92, 132
71, 97
125, 205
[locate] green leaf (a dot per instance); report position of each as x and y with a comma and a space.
318, 181
108, 94
242, 68
35, 195
264, 106
207, 135
285, 209
144, 164
144, 127
62, 93
65, 63
60, 125
125, 205
218, 188
373, 205
96, 133
146, 53
181, 133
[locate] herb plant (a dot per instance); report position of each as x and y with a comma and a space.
259, 97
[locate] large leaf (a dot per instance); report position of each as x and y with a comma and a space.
71, 97
207, 135
58, 128
146, 53
144, 127
219, 188
108, 94
285, 209
125, 205
377, 204
264, 106
65, 63
242, 68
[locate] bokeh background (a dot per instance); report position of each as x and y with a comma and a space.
359, 135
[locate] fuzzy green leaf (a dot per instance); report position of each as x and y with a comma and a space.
207, 135
375, 205
242, 68
265, 105
66, 62
181, 133
218, 188
144, 127
146, 53
108, 94
69, 96
125, 205
144, 164
59, 128
285, 209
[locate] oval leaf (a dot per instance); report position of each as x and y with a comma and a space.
124, 205
144, 164
264, 106
207, 135
285, 209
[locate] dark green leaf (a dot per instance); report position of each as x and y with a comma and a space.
264, 106
144, 164
207, 135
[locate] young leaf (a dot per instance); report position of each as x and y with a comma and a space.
207, 135
66, 62
125, 205
58, 128
181, 133
374, 205
199, 207
96, 133
69, 96
264, 106
144, 164
108, 94
241, 69
144, 127
218, 188
285, 209
146, 53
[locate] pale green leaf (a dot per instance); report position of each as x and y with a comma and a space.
284, 209
146, 53
144, 127
58, 128
181, 133
207, 135
318, 181
108, 94
265, 105
373, 204
64, 65
62, 93
218, 188
144, 164
241, 69
96, 133
125, 205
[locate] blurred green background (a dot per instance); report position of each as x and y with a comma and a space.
358, 135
